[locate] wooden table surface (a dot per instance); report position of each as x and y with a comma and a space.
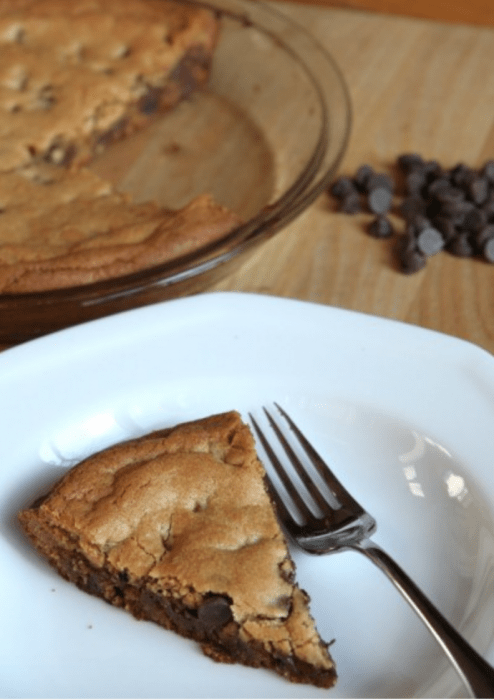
416, 85
480, 12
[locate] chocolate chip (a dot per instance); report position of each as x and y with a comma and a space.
488, 207
363, 176
215, 612
409, 161
415, 181
474, 220
430, 241
285, 602
488, 170
380, 199
483, 236
380, 180
446, 227
188, 71
411, 207
380, 227
417, 224
351, 203
432, 169
488, 250
449, 194
478, 189
456, 210
150, 102
342, 187
440, 185
123, 576
412, 262
460, 174
461, 245
411, 259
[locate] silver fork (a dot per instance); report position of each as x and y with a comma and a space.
344, 524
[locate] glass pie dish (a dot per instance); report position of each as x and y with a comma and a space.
264, 138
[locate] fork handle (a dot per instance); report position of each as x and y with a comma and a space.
475, 672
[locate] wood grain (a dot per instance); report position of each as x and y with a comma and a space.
415, 86
479, 12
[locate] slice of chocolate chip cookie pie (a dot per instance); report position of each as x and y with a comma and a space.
177, 527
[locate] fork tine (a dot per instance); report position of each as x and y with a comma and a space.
301, 471
283, 512
286, 481
341, 494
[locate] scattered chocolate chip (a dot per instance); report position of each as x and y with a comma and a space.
363, 176
448, 195
430, 241
351, 203
411, 259
460, 174
412, 262
342, 187
415, 181
446, 227
488, 250
380, 180
411, 207
478, 189
488, 207
488, 170
483, 236
381, 227
379, 200
474, 220
417, 224
461, 245
439, 186
432, 169
444, 209
409, 161
456, 209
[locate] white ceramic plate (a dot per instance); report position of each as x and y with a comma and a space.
404, 415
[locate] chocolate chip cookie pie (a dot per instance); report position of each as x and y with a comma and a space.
177, 527
75, 76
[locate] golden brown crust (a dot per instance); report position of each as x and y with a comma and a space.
64, 228
185, 511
